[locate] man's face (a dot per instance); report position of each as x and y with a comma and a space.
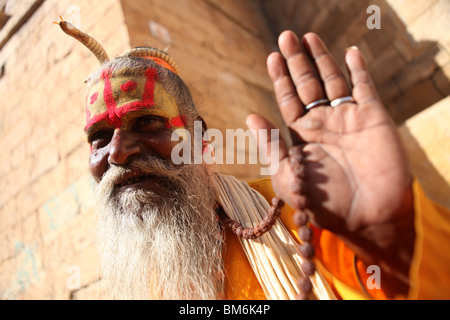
142, 134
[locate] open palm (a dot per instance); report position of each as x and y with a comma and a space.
357, 180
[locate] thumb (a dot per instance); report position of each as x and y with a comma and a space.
272, 147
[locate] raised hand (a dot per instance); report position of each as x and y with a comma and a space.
357, 180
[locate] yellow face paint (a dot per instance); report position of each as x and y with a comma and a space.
113, 99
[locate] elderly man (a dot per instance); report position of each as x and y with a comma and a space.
166, 230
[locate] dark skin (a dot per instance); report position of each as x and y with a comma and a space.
139, 136
358, 182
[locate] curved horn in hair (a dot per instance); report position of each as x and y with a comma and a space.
153, 53
88, 41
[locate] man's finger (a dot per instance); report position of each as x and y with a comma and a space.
333, 79
364, 90
290, 105
303, 75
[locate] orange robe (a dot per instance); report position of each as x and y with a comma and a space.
430, 269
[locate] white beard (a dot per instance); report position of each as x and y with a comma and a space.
164, 244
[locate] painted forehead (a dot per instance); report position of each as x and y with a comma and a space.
112, 98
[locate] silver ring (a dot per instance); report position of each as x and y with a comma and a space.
317, 103
339, 101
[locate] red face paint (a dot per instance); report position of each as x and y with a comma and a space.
128, 86
114, 97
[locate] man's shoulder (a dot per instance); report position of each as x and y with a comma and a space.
260, 183
263, 186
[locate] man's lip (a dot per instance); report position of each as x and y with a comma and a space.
133, 178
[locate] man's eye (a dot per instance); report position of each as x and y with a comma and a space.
100, 139
149, 123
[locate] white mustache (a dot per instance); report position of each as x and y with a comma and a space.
151, 166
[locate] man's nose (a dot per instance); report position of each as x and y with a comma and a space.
123, 146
